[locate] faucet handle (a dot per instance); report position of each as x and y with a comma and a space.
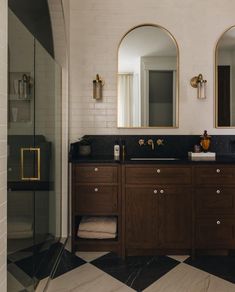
141, 142
160, 142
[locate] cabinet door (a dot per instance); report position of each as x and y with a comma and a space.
175, 217
140, 217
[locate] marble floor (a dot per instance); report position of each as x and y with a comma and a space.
106, 272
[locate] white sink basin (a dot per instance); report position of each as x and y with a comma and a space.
154, 158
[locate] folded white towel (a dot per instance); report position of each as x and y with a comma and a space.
20, 234
19, 224
95, 235
98, 224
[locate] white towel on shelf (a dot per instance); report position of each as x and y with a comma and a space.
19, 227
98, 224
95, 235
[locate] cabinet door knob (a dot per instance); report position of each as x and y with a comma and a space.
96, 189
218, 222
218, 192
96, 169
155, 191
158, 170
218, 170
161, 191
9, 169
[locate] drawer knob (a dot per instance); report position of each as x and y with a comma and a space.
158, 170
96, 169
161, 191
218, 170
155, 191
218, 222
218, 192
96, 189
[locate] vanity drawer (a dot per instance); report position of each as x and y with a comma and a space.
158, 174
215, 201
214, 175
95, 174
215, 232
96, 199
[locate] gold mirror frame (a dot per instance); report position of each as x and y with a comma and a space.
216, 85
177, 77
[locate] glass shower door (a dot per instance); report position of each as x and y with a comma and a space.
34, 160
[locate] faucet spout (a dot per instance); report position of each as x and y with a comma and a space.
151, 143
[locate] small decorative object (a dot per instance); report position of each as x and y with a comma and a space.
84, 146
197, 148
97, 87
199, 83
205, 141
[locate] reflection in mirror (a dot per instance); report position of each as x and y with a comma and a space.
225, 79
148, 78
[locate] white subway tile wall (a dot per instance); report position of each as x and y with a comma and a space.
97, 27
3, 142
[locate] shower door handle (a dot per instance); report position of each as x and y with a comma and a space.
37, 175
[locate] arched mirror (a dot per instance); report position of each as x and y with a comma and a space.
148, 78
225, 79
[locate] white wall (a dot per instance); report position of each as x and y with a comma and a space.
96, 28
3, 141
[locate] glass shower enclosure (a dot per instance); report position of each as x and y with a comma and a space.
34, 160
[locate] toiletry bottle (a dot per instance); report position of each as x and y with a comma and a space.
116, 150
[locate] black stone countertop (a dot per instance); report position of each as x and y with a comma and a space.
225, 159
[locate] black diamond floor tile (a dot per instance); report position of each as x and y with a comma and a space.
67, 263
220, 266
40, 264
138, 272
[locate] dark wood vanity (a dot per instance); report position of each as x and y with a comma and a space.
167, 208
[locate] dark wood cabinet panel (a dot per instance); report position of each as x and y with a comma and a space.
141, 212
158, 174
215, 201
175, 217
95, 174
96, 191
214, 175
96, 199
215, 232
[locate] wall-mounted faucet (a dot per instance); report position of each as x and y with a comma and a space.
150, 142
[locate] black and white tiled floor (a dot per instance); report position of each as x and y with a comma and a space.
106, 272
21, 272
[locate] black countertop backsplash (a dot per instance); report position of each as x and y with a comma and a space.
174, 146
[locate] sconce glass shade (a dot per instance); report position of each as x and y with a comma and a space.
97, 87
201, 89
199, 83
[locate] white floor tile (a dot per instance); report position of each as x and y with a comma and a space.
184, 278
87, 278
179, 258
89, 256
41, 285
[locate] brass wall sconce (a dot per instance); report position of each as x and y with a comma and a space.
97, 87
199, 83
